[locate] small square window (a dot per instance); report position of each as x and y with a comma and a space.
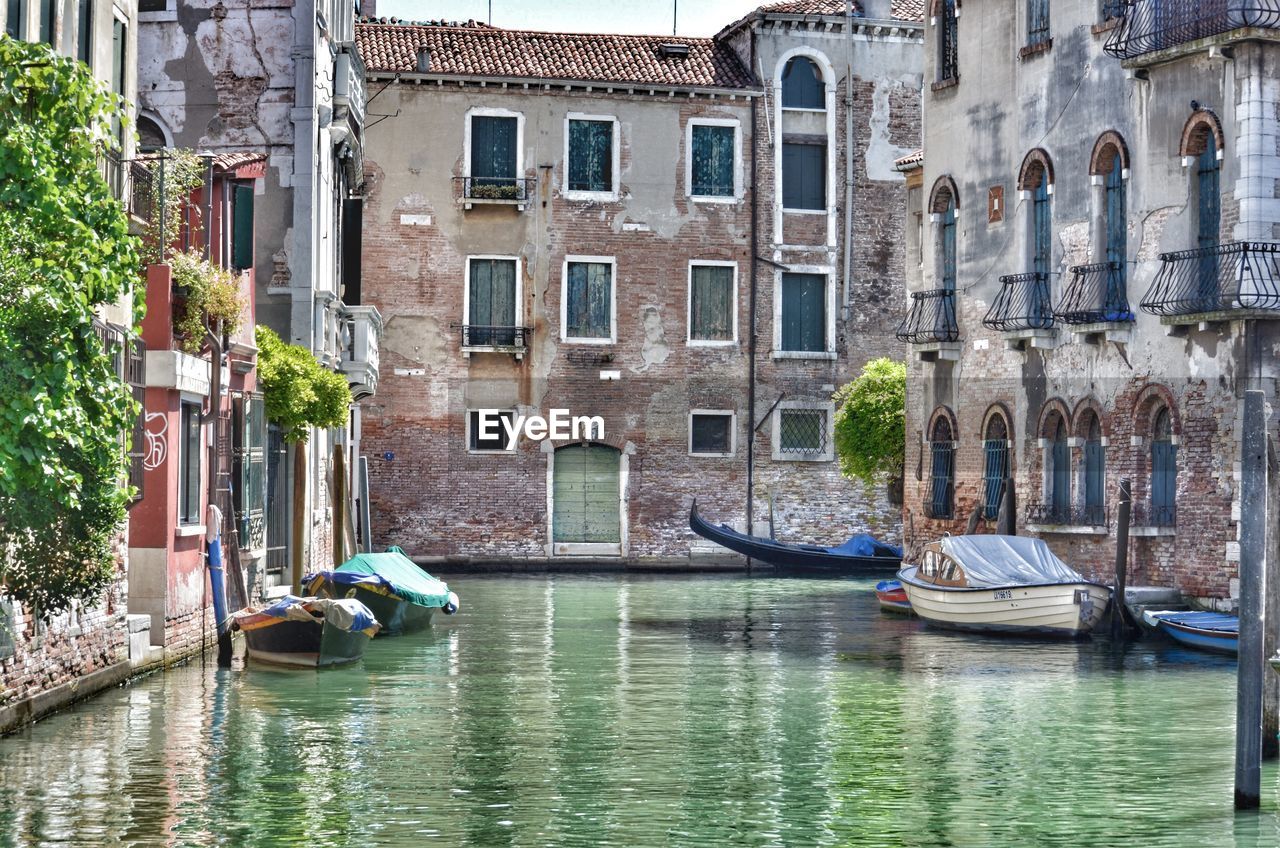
487, 430
711, 433
590, 164
802, 432
712, 164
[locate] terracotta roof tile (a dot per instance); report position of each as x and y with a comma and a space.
809, 7
490, 52
904, 163
908, 10
237, 159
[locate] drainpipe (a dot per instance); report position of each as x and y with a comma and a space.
751, 300
849, 150
213, 533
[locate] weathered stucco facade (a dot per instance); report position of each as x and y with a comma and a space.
1083, 164
648, 375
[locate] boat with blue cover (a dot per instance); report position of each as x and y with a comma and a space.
892, 597
400, 594
1209, 631
307, 632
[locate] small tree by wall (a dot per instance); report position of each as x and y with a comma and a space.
870, 425
298, 391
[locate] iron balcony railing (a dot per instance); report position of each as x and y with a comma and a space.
477, 335
1150, 25
1066, 515
1146, 514
514, 189
1225, 277
1023, 304
1095, 295
932, 318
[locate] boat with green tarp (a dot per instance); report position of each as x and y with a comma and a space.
401, 595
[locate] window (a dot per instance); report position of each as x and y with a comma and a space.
1116, 229
802, 85
804, 313
712, 303
802, 433
492, 300
1037, 22
804, 175
242, 226
48, 16
119, 66
16, 18
711, 432
136, 376
1110, 10
488, 433
249, 449
493, 153
587, 308
84, 33
1095, 470
1164, 471
947, 244
1041, 228
591, 164
189, 452
1059, 472
995, 465
942, 463
153, 5
713, 159
948, 42
1208, 195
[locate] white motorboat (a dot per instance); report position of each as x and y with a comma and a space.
1002, 584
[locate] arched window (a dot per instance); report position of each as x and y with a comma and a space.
1164, 470
1059, 472
1115, 225
802, 85
947, 244
150, 135
1095, 471
1208, 197
948, 41
942, 455
995, 465
1037, 180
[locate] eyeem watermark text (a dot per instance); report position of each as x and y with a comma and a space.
559, 427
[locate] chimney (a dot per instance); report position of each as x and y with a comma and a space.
424, 59
369, 8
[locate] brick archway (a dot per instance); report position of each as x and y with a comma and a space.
944, 194
1080, 418
1151, 400
1105, 150
1202, 124
1036, 167
945, 416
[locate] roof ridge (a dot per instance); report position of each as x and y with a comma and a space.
494, 30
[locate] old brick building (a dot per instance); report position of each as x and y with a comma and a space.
1094, 275
671, 233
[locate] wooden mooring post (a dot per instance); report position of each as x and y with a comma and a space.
1251, 664
1118, 626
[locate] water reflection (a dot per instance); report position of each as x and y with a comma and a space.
691, 711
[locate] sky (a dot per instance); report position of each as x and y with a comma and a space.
695, 18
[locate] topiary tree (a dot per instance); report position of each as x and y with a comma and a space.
65, 250
299, 393
870, 426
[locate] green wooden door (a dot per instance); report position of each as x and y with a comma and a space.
585, 495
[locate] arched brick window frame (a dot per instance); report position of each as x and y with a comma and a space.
1047, 423
1054, 429
944, 190
1155, 492
1080, 422
1036, 166
1090, 427
1202, 124
1105, 150
943, 433
997, 457
1147, 404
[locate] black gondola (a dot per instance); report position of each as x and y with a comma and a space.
790, 556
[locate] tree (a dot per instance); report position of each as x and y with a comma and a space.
65, 250
299, 393
870, 426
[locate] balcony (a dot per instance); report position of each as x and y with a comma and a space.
131, 183
477, 338
1219, 283
1096, 302
349, 98
1087, 520
362, 332
1152, 26
1023, 311
930, 325
499, 191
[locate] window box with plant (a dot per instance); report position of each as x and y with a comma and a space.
206, 297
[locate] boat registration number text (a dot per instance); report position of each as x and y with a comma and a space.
1004, 594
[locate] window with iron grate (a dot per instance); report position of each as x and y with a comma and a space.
802, 431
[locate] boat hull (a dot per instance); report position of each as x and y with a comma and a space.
1205, 631
1063, 610
395, 614
304, 644
1204, 640
892, 597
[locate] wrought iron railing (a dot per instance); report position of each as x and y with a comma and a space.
1151, 25
1095, 295
1067, 515
932, 318
1237, 275
514, 189
1023, 304
476, 335
1146, 514
142, 195
940, 500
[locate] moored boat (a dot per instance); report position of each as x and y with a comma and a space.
892, 597
1002, 584
401, 595
1209, 631
307, 632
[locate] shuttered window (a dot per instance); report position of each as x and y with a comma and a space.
711, 433
493, 150
189, 465
711, 303
802, 86
136, 376
948, 42
494, 438
249, 450
242, 226
491, 302
48, 11
1060, 471
1164, 471
590, 155
804, 312
804, 176
1095, 469
713, 160
585, 495
588, 308
1042, 248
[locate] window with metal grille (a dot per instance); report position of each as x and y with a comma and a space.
948, 42
590, 164
711, 303
712, 160
249, 450
136, 376
802, 85
804, 312
1164, 471
804, 176
802, 431
278, 524
488, 433
995, 466
1037, 21
189, 450
942, 463
588, 308
711, 433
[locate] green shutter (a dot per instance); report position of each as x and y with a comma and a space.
242, 227
590, 156
585, 495
711, 303
588, 301
493, 148
804, 312
804, 176
712, 164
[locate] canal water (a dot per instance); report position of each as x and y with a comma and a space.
612, 710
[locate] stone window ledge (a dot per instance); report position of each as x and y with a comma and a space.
1023, 339
933, 351
944, 84
1035, 49
1105, 26
1069, 529
1153, 532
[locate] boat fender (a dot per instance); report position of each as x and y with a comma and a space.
451, 605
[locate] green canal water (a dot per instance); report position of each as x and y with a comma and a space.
702, 711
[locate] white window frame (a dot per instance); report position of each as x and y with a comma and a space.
830, 273
466, 298
733, 431
170, 13
825, 456
688, 306
828, 79
612, 193
737, 159
493, 112
612, 262
189, 528
486, 451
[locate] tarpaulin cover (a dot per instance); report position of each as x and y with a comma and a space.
864, 544
391, 570
345, 614
991, 560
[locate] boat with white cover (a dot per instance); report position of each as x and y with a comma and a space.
1002, 584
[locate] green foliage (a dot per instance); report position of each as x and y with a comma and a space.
211, 293
174, 175
870, 427
299, 392
65, 249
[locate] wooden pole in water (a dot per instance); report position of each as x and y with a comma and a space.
1122, 560
1271, 613
1251, 663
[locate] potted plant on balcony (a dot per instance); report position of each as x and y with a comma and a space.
207, 296
870, 425
492, 191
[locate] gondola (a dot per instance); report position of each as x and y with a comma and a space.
791, 556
